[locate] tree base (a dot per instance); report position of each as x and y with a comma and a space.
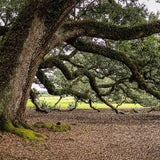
30, 135
26, 134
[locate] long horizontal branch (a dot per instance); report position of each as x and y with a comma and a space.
119, 56
53, 61
108, 52
108, 30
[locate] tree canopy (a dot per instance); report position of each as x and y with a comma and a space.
103, 64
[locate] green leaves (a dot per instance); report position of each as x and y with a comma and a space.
9, 9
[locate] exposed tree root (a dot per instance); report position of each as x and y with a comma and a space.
30, 135
26, 134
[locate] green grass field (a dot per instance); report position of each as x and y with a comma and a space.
65, 102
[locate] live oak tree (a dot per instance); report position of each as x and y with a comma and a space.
32, 32
108, 70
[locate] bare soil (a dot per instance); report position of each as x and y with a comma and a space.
94, 136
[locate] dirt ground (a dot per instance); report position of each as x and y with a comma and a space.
94, 136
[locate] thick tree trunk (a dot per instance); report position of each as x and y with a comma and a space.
21, 53
15, 91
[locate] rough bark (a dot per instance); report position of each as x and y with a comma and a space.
109, 31
15, 55
21, 52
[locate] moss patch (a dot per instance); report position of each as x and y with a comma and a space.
53, 127
29, 135
26, 134
60, 128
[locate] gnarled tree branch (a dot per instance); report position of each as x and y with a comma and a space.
51, 88
119, 56
109, 31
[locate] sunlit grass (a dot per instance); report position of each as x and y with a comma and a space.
65, 102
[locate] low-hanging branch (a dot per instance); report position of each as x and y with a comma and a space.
52, 61
127, 92
39, 109
94, 48
53, 91
34, 101
70, 76
66, 110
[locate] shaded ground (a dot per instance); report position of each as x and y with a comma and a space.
94, 136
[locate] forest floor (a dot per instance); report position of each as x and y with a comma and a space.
93, 136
